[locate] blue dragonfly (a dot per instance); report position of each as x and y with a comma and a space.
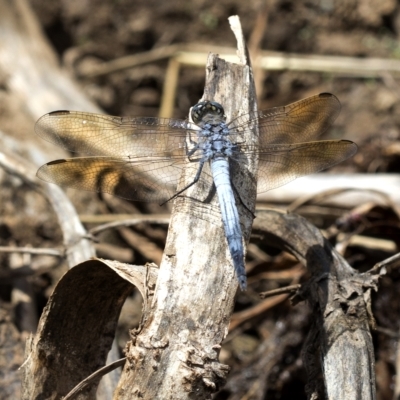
142, 158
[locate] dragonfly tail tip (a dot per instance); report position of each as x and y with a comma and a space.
243, 283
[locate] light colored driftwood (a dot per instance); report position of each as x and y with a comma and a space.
176, 353
169, 88
78, 248
36, 85
346, 190
339, 345
32, 251
31, 67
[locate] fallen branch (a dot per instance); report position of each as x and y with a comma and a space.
339, 345
346, 190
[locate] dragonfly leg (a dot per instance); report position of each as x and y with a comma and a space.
195, 180
194, 144
189, 153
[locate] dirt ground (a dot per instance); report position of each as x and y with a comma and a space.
85, 33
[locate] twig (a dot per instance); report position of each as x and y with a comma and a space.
196, 56
391, 262
162, 220
243, 316
322, 195
287, 289
169, 90
141, 243
29, 250
239, 318
79, 248
93, 377
365, 241
388, 332
255, 41
135, 218
122, 63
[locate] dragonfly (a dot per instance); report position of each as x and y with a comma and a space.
143, 158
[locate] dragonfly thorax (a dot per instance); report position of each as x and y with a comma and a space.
217, 146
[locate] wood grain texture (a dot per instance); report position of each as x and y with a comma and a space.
339, 345
175, 356
77, 327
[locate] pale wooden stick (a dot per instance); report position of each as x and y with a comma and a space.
193, 300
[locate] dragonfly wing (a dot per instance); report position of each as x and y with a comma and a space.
151, 180
297, 122
103, 135
281, 164
148, 181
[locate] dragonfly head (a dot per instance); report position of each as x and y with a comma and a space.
208, 112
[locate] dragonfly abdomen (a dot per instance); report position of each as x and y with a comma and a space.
230, 216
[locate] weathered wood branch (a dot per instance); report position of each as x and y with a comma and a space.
34, 84
340, 343
351, 189
30, 66
78, 248
176, 353
77, 327
38, 74
195, 54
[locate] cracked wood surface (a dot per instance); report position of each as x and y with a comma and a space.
176, 354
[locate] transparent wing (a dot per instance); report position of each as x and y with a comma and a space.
103, 135
282, 163
144, 156
297, 122
140, 158
285, 151
151, 180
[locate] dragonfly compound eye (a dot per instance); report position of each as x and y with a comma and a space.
211, 109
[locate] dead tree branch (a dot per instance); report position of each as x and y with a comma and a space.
339, 345
176, 353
